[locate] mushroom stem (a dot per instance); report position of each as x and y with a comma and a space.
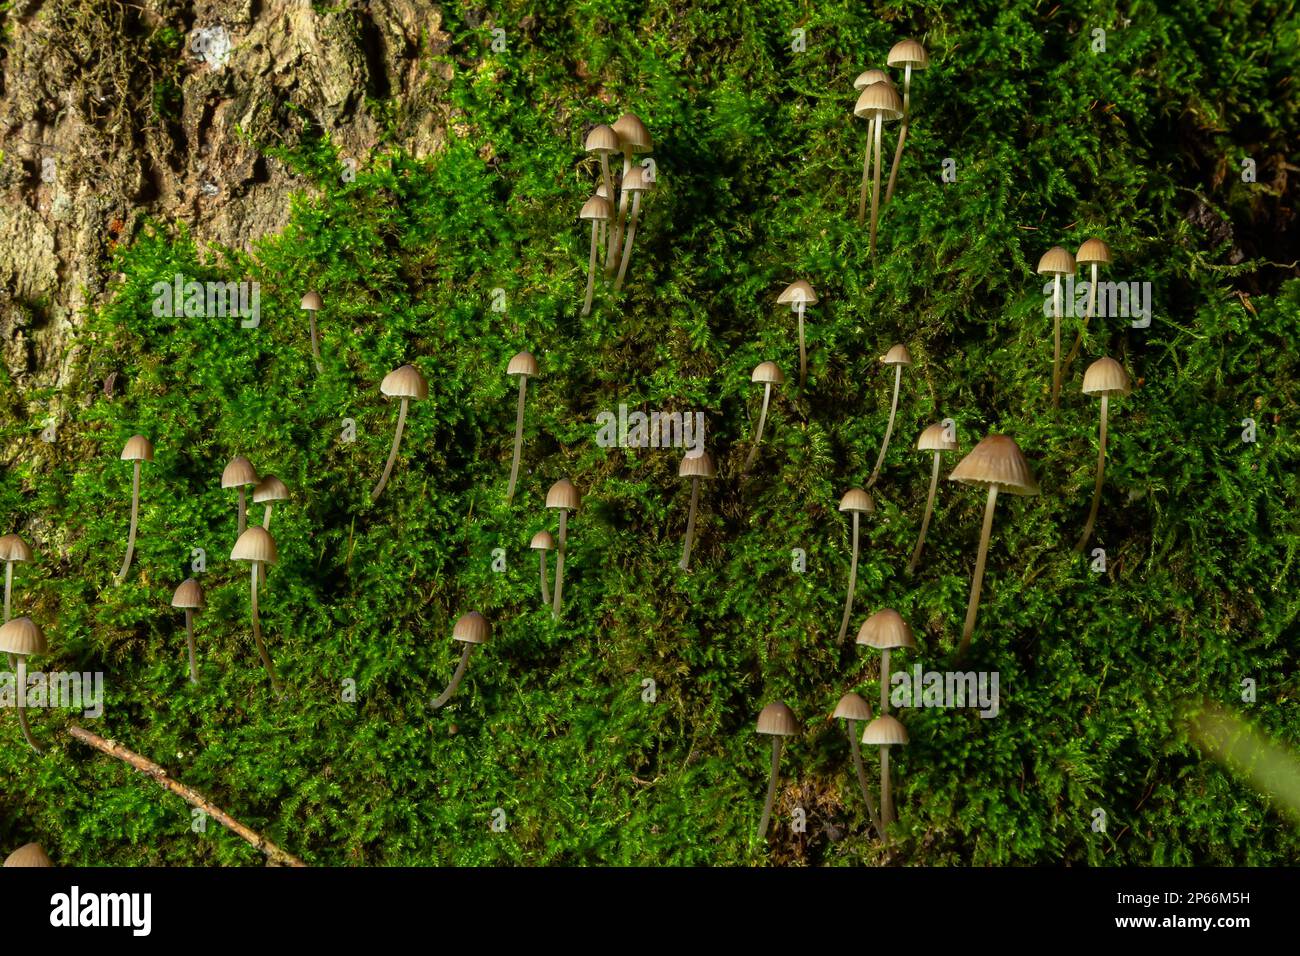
902, 132
889, 428
887, 815
519, 437
1096, 490
9, 583
266, 517
455, 678
546, 591
591, 270
1056, 351
189, 640
978, 580
884, 680
866, 176
771, 787
627, 246
315, 342
130, 537
803, 355
876, 123
862, 779
243, 510
853, 580
18, 664
557, 607
392, 455
616, 237
758, 435
925, 521
685, 563
257, 634
612, 247
1092, 304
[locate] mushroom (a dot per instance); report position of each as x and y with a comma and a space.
564, 497
541, 543
1107, 379
885, 732
936, 438
910, 55
633, 137
857, 502
997, 464
598, 211
1092, 253
311, 304
602, 140
12, 549
239, 473
189, 595
522, 365
406, 383
693, 467
472, 628
20, 638
885, 631
880, 104
797, 295
267, 492
635, 182
769, 375
865, 79
257, 547
777, 720
1056, 262
137, 449
854, 709
29, 854
897, 356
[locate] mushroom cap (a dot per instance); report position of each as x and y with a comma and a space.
522, 364
21, 635
542, 541
879, 99
563, 495
796, 292
633, 134
776, 718
270, 489
1056, 262
597, 208
935, 438
137, 448
886, 630
255, 544
897, 355
14, 548
238, 472
1103, 377
29, 854
697, 466
189, 593
472, 628
602, 139
601, 191
852, 707
405, 381
768, 373
855, 499
635, 181
997, 460
885, 731
908, 53
867, 77
1093, 251
311, 302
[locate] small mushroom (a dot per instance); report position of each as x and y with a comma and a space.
633, 137
406, 383
602, 140
998, 464
857, 503
777, 720
563, 497
137, 449
1106, 379
693, 467
598, 211
635, 182
769, 375
311, 304
20, 638
797, 295
1056, 262
12, 549
910, 55
885, 631
29, 854
267, 492
523, 365
472, 628
897, 356
880, 104
541, 543
865, 79
885, 732
856, 710
938, 439
189, 596
240, 474
257, 547
1094, 253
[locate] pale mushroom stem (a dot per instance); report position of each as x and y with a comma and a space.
803, 355
257, 635
884, 680
886, 789
130, 537
771, 787
978, 580
558, 606
875, 183
690, 524
1092, 305
611, 249
315, 342
758, 435
862, 779
902, 132
243, 510
627, 246
1056, 350
189, 640
1096, 490
853, 581
866, 176
616, 236
591, 269
546, 591
519, 437
925, 521
18, 664
266, 517
889, 428
455, 678
392, 455
9, 583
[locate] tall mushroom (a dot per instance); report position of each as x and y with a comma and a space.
865, 79
768, 374
856, 502
1094, 253
897, 356
1106, 379
563, 497
797, 295
406, 383
937, 438
855, 710
12, 549
880, 104
778, 721
311, 304
189, 596
541, 543
910, 55
602, 140
523, 365
886, 631
997, 464
1056, 262
137, 449
693, 467
257, 547
472, 628
29, 855
240, 474
20, 638
598, 211
269, 491
885, 732
633, 138
635, 182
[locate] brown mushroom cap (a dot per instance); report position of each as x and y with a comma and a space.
270, 489
935, 438
602, 139
885, 731
633, 134
855, 499
867, 77
472, 628
542, 541
238, 472
563, 495
636, 180
255, 544
908, 53
886, 630
21, 635
796, 292
405, 382
1056, 262
696, 466
997, 460
14, 548
776, 718
879, 99
137, 448
852, 707
1093, 251
312, 302
601, 191
1106, 377
522, 364
768, 373
597, 208
189, 593
29, 854
897, 355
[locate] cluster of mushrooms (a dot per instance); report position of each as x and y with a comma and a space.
607, 209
